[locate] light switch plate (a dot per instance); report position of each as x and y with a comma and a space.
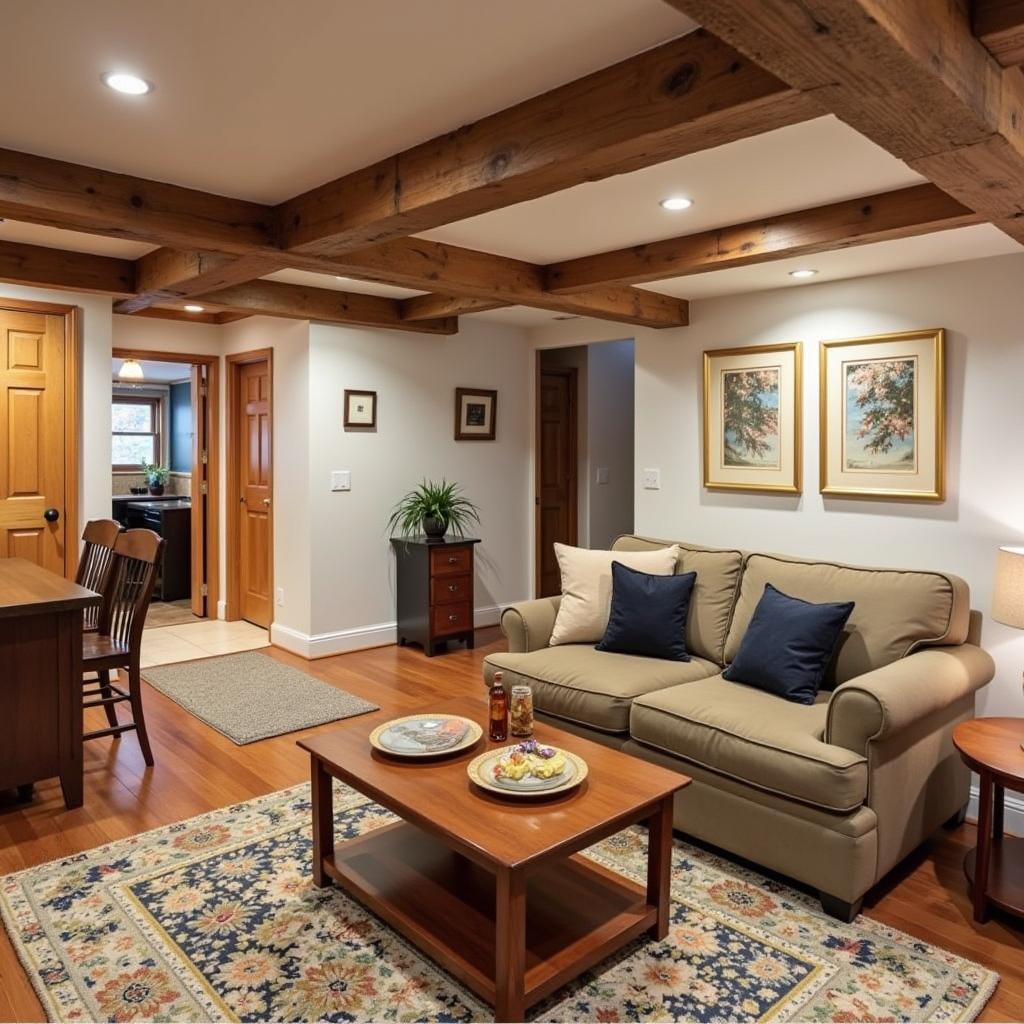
602, 474
652, 479
341, 480
280, 596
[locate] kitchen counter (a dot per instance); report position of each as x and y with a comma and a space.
162, 504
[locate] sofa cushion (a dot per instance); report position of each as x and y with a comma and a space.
896, 611
581, 684
587, 588
718, 574
754, 737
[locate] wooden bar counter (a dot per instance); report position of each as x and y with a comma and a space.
41, 677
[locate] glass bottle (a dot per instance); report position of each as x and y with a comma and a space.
497, 728
521, 711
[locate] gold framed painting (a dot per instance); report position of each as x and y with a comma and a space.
752, 418
883, 416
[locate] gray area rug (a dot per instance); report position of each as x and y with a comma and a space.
248, 696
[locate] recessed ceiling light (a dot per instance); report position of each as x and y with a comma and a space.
802, 273
129, 84
194, 309
676, 203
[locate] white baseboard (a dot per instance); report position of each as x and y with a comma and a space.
1013, 811
323, 645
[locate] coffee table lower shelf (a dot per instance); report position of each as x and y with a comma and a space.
576, 912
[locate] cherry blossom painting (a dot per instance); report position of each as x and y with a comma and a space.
750, 417
880, 410
882, 401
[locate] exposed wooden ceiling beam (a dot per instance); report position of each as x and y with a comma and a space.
429, 306
425, 265
690, 94
293, 301
58, 268
166, 275
166, 313
903, 213
999, 25
908, 74
63, 195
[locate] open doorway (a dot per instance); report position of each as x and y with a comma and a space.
584, 451
164, 472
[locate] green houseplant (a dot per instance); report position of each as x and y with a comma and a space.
433, 508
156, 477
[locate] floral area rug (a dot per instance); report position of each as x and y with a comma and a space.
216, 918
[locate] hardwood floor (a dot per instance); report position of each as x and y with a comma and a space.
199, 770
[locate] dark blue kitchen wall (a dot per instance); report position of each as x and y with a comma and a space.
180, 406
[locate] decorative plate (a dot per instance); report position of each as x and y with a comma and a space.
481, 771
425, 735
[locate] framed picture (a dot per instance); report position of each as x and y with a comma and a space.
752, 417
883, 417
475, 413
360, 409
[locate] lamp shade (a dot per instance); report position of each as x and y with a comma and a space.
131, 369
1008, 595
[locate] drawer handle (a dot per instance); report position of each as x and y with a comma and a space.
453, 618
453, 588
452, 560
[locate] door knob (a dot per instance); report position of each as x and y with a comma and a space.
242, 499
51, 515
266, 501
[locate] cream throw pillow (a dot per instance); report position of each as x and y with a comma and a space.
587, 588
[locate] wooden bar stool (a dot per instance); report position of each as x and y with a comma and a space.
117, 642
97, 557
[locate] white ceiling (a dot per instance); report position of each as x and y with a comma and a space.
157, 373
75, 241
262, 99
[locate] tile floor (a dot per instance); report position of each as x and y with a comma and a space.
203, 639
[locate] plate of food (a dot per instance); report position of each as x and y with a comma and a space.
527, 769
425, 735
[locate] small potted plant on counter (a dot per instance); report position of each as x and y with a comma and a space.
433, 509
156, 477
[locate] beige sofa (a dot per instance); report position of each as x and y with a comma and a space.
833, 794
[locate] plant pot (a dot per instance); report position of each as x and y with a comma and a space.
156, 490
434, 528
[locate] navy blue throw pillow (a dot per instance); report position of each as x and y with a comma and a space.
648, 614
788, 645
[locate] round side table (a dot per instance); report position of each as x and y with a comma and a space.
995, 868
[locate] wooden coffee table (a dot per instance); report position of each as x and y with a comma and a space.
494, 889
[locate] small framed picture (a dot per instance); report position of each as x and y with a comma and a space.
360, 410
475, 414
883, 417
752, 438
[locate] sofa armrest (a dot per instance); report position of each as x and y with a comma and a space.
881, 703
528, 625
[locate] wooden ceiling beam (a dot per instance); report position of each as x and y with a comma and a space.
426, 266
903, 213
63, 195
298, 302
57, 268
690, 94
999, 26
908, 74
431, 306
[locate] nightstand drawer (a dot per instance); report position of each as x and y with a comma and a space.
446, 561
450, 589
452, 618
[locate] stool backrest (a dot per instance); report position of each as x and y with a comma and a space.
97, 558
137, 557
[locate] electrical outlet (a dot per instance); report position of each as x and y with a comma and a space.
341, 480
652, 479
602, 474
280, 596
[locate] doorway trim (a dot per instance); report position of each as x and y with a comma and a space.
572, 375
212, 364
72, 389
233, 520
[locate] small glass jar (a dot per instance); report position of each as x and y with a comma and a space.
521, 711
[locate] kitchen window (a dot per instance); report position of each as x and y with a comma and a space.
136, 432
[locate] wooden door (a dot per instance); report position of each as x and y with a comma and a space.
556, 472
253, 464
200, 486
33, 435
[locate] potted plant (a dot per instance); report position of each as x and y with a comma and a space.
433, 509
156, 477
